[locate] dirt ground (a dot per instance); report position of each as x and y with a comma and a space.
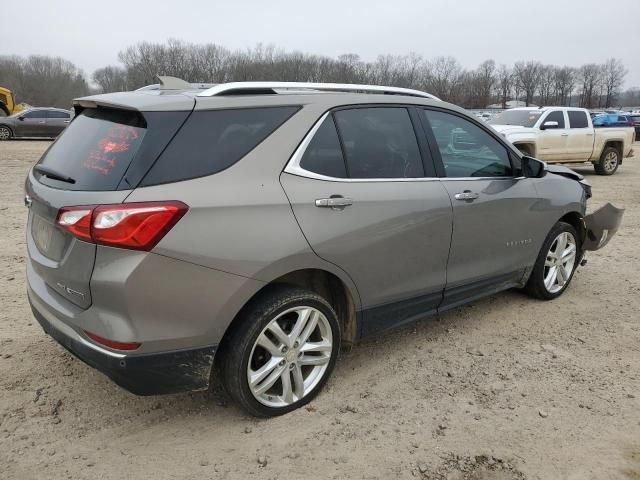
506, 388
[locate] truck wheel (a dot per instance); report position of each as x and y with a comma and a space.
281, 352
609, 161
5, 133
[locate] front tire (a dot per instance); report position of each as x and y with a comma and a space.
5, 133
609, 162
556, 263
281, 352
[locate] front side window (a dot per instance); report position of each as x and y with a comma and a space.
556, 116
577, 119
466, 149
379, 143
324, 154
36, 114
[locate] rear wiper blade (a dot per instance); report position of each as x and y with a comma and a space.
51, 173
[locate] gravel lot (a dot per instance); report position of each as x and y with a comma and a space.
506, 388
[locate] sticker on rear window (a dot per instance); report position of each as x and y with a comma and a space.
107, 152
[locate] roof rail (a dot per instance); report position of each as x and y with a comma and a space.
240, 88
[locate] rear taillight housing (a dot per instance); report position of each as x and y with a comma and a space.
135, 226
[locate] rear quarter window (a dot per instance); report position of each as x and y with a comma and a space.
213, 140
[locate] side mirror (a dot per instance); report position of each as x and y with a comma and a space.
532, 167
548, 125
21, 118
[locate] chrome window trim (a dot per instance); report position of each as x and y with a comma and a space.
293, 166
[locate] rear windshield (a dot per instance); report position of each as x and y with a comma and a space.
95, 150
213, 140
523, 118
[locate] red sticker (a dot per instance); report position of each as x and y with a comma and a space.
105, 154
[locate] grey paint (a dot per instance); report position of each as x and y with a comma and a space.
252, 223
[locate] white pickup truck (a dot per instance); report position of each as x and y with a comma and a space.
565, 135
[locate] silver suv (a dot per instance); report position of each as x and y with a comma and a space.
251, 229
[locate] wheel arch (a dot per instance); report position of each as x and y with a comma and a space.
618, 144
8, 127
323, 282
576, 220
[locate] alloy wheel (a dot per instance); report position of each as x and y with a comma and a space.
290, 356
5, 133
611, 161
560, 262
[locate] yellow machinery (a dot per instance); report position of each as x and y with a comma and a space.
7, 102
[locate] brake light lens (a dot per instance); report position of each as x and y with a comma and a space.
135, 226
77, 221
112, 343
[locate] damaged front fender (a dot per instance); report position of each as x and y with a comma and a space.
601, 226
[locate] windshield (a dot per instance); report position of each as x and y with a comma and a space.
523, 118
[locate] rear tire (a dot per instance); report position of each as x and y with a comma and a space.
281, 352
5, 133
556, 263
609, 162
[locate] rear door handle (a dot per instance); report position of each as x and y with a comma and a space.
334, 203
564, 135
466, 195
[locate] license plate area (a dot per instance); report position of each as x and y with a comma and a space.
47, 238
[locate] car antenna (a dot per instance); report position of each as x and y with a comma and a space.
172, 83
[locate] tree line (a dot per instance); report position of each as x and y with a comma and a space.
40, 80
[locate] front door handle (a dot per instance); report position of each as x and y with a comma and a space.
564, 134
467, 195
334, 202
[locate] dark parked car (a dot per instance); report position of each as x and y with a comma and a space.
635, 119
612, 120
35, 122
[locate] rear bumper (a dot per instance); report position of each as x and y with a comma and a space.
147, 374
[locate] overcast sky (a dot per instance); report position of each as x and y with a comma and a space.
90, 33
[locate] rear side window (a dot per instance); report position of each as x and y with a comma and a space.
556, 116
577, 119
58, 114
379, 143
213, 140
95, 150
324, 154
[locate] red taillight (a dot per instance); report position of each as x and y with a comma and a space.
77, 221
136, 226
112, 343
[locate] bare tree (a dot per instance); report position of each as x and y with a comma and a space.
110, 79
590, 77
505, 84
564, 84
614, 73
527, 76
